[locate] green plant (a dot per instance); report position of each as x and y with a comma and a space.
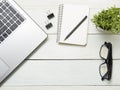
108, 20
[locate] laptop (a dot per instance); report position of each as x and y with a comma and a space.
19, 36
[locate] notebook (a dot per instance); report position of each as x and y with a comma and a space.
69, 17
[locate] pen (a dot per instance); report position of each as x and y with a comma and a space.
76, 27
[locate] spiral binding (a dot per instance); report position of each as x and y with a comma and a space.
60, 14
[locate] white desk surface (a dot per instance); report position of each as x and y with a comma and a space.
65, 67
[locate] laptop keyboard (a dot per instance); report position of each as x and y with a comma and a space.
10, 19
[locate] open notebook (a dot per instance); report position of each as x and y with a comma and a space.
69, 17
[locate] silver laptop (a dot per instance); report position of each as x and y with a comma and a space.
19, 36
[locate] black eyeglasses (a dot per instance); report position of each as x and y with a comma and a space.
105, 69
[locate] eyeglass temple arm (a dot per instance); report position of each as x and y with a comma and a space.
110, 61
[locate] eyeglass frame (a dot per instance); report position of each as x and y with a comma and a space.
108, 62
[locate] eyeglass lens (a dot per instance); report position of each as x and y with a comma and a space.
103, 69
104, 52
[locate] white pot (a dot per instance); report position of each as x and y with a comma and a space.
102, 30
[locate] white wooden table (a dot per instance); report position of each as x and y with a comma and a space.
53, 66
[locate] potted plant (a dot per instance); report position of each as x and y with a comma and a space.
108, 20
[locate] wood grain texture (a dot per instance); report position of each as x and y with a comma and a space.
66, 72
52, 3
62, 88
52, 50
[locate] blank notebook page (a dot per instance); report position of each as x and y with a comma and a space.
71, 16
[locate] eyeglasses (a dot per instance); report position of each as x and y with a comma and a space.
105, 69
